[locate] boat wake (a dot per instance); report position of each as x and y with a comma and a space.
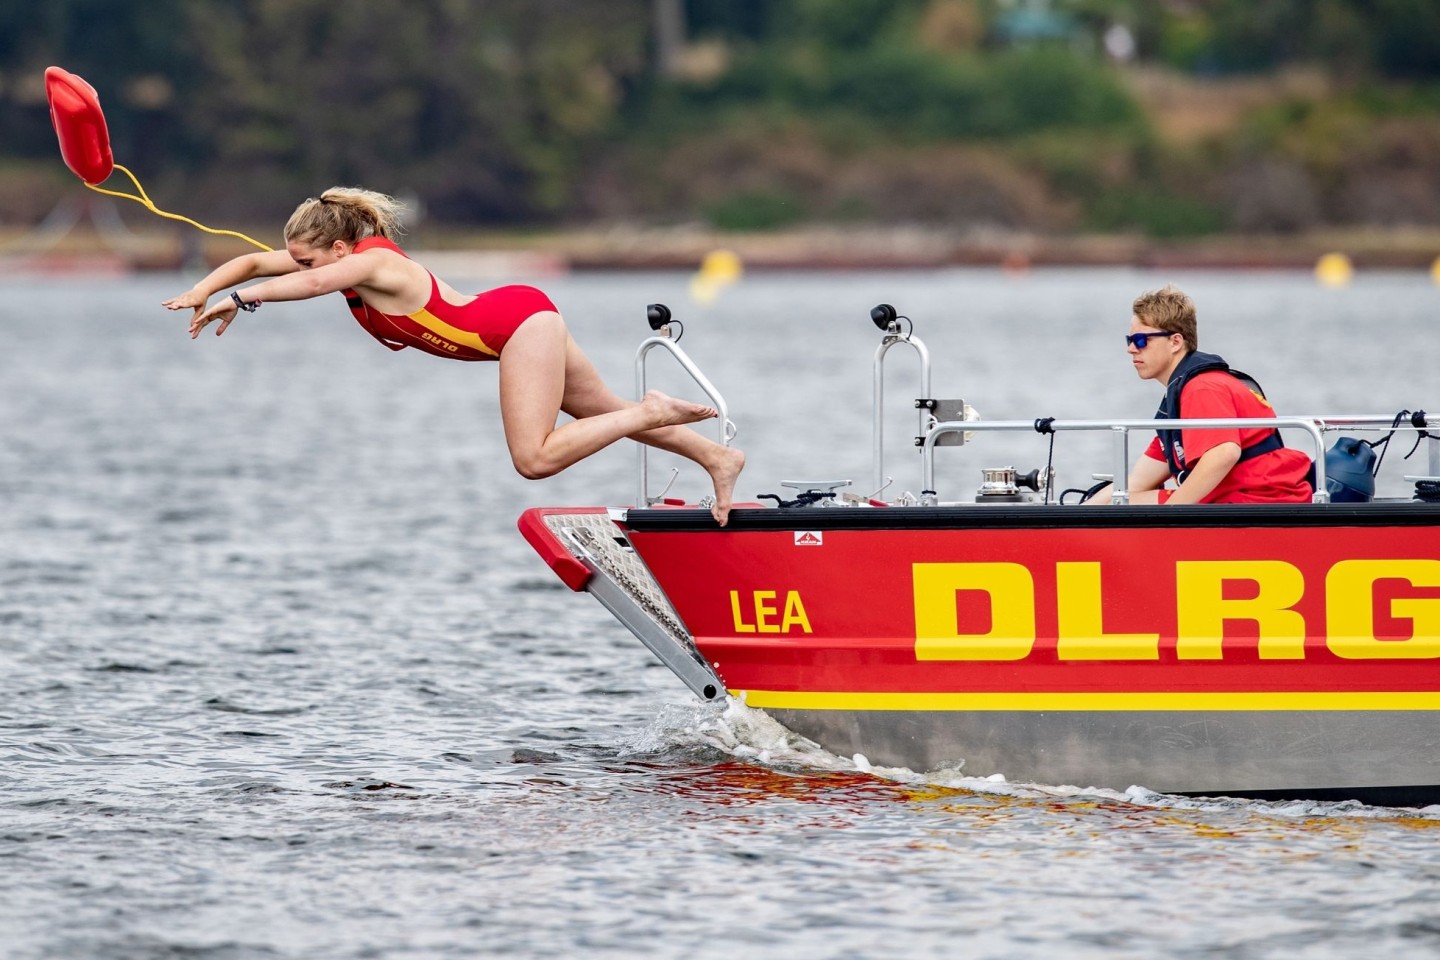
735, 730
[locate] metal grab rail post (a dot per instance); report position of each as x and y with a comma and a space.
1119, 489
1312, 426
659, 321
892, 337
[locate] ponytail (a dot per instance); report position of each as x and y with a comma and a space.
345, 213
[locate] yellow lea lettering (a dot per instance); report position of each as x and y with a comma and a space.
765, 613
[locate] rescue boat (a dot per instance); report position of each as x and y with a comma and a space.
1268, 651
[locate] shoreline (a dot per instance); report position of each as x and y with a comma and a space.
619, 248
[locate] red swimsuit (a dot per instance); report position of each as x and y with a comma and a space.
476, 331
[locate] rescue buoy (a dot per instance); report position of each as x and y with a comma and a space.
80, 125
85, 144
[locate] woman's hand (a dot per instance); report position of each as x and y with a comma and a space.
195, 300
224, 311
192, 298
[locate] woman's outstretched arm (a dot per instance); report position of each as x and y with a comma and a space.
271, 263
373, 270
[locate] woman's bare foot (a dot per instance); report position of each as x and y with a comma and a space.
724, 471
669, 410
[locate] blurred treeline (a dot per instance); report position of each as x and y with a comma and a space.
1173, 118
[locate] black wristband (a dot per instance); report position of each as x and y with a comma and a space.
241, 304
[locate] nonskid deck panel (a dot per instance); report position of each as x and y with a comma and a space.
624, 585
605, 545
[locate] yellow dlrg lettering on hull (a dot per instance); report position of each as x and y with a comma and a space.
1201, 608
769, 617
1005, 592
1350, 610
1081, 625
1011, 591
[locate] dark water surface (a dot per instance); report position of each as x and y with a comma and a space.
280, 678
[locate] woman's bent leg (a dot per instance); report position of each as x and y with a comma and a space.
534, 370
586, 395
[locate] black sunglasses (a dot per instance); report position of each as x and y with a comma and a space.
1142, 340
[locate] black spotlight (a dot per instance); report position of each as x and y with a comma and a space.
883, 315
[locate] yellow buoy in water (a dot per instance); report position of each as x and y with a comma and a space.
718, 270
1334, 270
1435, 270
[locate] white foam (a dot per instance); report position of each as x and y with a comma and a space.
748, 733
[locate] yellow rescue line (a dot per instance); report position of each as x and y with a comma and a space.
144, 200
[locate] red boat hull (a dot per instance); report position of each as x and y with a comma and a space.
1240, 649
1135, 617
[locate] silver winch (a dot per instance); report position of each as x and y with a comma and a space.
1003, 485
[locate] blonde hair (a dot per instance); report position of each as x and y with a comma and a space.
1170, 310
344, 213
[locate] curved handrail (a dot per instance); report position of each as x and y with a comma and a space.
727, 426
892, 338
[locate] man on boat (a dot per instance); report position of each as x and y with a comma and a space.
1228, 465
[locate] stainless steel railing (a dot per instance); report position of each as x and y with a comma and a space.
1314, 426
660, 323
1121, 432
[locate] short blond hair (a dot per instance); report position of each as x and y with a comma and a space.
345, 213
1170, 310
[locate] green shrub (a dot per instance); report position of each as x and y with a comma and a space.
923, 95
755, 210
1158, 214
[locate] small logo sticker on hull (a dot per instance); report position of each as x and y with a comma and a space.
809, 538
